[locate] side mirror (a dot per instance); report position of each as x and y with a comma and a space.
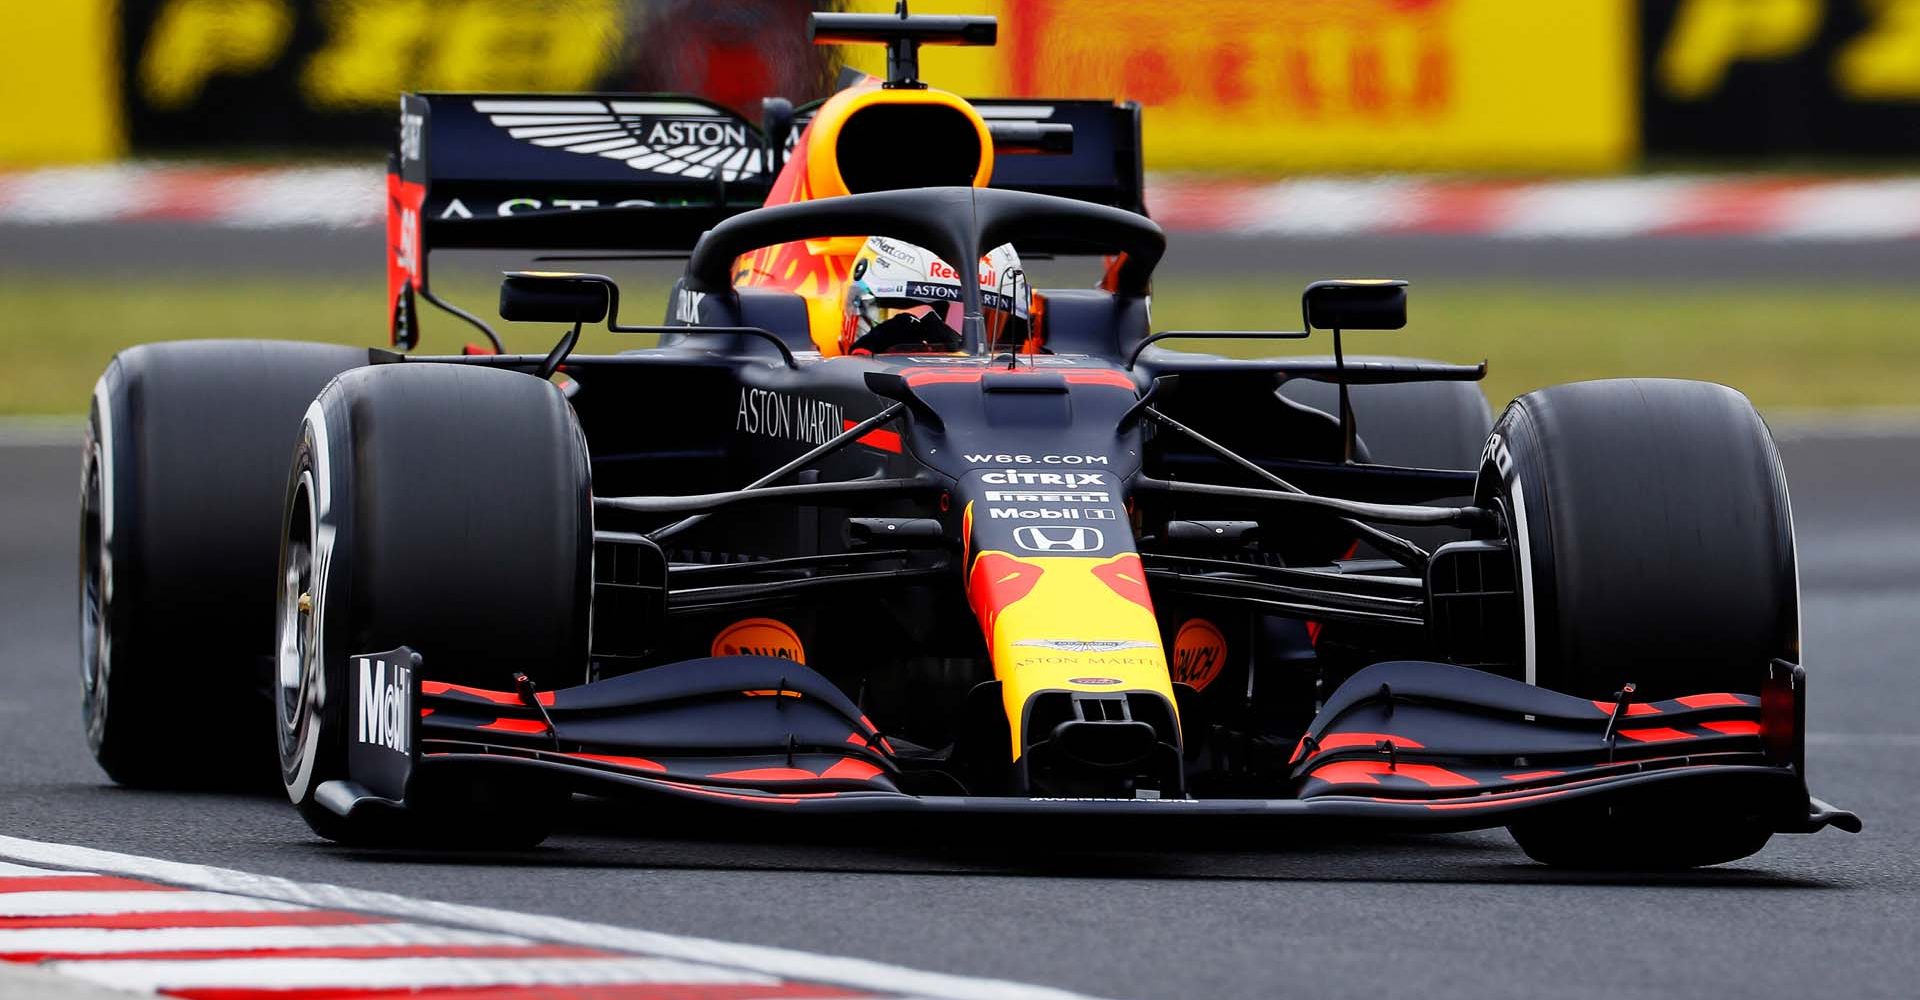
1356, 304
554, 297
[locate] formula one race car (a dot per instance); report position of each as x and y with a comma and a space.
879, 528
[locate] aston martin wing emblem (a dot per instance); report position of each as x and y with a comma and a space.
674, 138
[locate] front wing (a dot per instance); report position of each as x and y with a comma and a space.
1408, 744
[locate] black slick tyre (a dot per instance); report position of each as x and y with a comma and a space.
1426, 425
1422, 425
1651, 518
183, 470
446, 508
1654, 544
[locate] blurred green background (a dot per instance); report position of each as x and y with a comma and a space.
1786, 345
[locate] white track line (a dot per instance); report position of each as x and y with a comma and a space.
10, 870
24, 981
107, 941
390, 973
73, 904
783, 962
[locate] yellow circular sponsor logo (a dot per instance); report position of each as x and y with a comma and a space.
760, 637
1199, 653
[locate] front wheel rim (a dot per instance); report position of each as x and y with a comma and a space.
95, 587
297, 642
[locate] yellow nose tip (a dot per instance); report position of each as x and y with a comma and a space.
306, 604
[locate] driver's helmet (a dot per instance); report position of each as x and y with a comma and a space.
901, 295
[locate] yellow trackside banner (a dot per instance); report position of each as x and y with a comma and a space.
1291, 85
59, 82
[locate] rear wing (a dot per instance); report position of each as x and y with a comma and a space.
651, 173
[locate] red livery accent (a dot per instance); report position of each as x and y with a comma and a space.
769, 774
1733, 727
406, 250
851, 770
1125, 577
998, 581
1368, 772
497, 697
514, 726
1633, 708
1655, 735
882, 439
847, 769
1719, 700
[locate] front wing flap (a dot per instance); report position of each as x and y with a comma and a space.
1409, 744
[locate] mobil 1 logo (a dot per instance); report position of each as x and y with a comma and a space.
384, 690
1051, 514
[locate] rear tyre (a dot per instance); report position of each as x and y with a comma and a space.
446, 508
183, 469
1654, 541
1428, 425
1423, 425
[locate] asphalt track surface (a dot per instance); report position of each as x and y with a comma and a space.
1429, 917
161, 250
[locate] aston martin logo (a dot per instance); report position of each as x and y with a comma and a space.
1086, 645
675, 138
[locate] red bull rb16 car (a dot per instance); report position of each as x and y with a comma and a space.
877, 527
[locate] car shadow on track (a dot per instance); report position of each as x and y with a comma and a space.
612, 835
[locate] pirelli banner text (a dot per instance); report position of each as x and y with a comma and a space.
1774, 78
306, 74
1310, 85
1267, 86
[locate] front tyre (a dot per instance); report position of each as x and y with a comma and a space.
1654, 545
446, 508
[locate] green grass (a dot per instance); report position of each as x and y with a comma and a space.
1804, 346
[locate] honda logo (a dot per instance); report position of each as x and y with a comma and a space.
1058, 538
